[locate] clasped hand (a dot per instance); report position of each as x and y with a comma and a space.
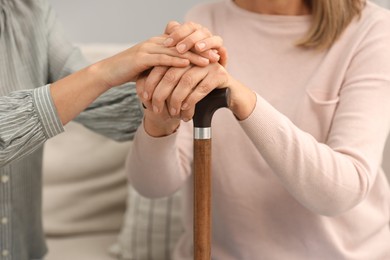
170, 93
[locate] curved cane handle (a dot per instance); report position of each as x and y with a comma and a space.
204, 111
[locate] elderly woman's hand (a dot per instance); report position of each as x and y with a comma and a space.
175, 95
198, 39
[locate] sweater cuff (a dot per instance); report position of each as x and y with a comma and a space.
265, 119
158, 143
47, 111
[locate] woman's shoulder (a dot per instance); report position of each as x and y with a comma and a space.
374, 14
370, 27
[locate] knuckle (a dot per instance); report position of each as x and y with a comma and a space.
169, 77
159, 71
221, 73
192, 25
190, 41
203, 88
175, 101
187, 80
157, 100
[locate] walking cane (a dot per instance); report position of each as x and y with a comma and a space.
204, 111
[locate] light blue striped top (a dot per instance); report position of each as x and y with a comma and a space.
33, 53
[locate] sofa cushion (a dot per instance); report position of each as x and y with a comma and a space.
84, 183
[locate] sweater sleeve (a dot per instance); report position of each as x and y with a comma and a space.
333, 177
27, 120
115, 114
158, 167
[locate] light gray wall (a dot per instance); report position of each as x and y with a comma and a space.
123, 21
118, 21
384, 3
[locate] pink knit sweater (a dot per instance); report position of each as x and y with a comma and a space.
300, 178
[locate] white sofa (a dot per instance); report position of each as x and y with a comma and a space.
85, 187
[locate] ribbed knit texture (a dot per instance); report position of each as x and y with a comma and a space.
33, 53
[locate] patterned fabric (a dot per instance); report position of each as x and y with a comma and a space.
33, 53
151, 228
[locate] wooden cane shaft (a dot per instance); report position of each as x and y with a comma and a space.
202, 199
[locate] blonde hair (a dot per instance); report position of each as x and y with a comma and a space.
330, 18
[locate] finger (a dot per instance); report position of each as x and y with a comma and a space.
223, 56
211, 55
139, 86
171, 26
193, 40
165, 87
189, 80
168, 106
180, 33
214, 79
151, 82
181, 60
210, 48
196, 59
161, 59
208, 43
140, 89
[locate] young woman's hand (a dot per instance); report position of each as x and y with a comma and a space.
127, 65
198, 39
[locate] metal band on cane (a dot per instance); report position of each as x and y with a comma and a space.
202, 133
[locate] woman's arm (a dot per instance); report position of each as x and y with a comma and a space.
28, 118
328, 178
26, 122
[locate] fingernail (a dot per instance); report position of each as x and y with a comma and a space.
145, 95
184, 106
214, 55
185, 119
168, 41
205, 60
201, 45
155, 109
181, 47
173, 111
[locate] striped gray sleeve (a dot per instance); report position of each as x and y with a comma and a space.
27, 119
115, 114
